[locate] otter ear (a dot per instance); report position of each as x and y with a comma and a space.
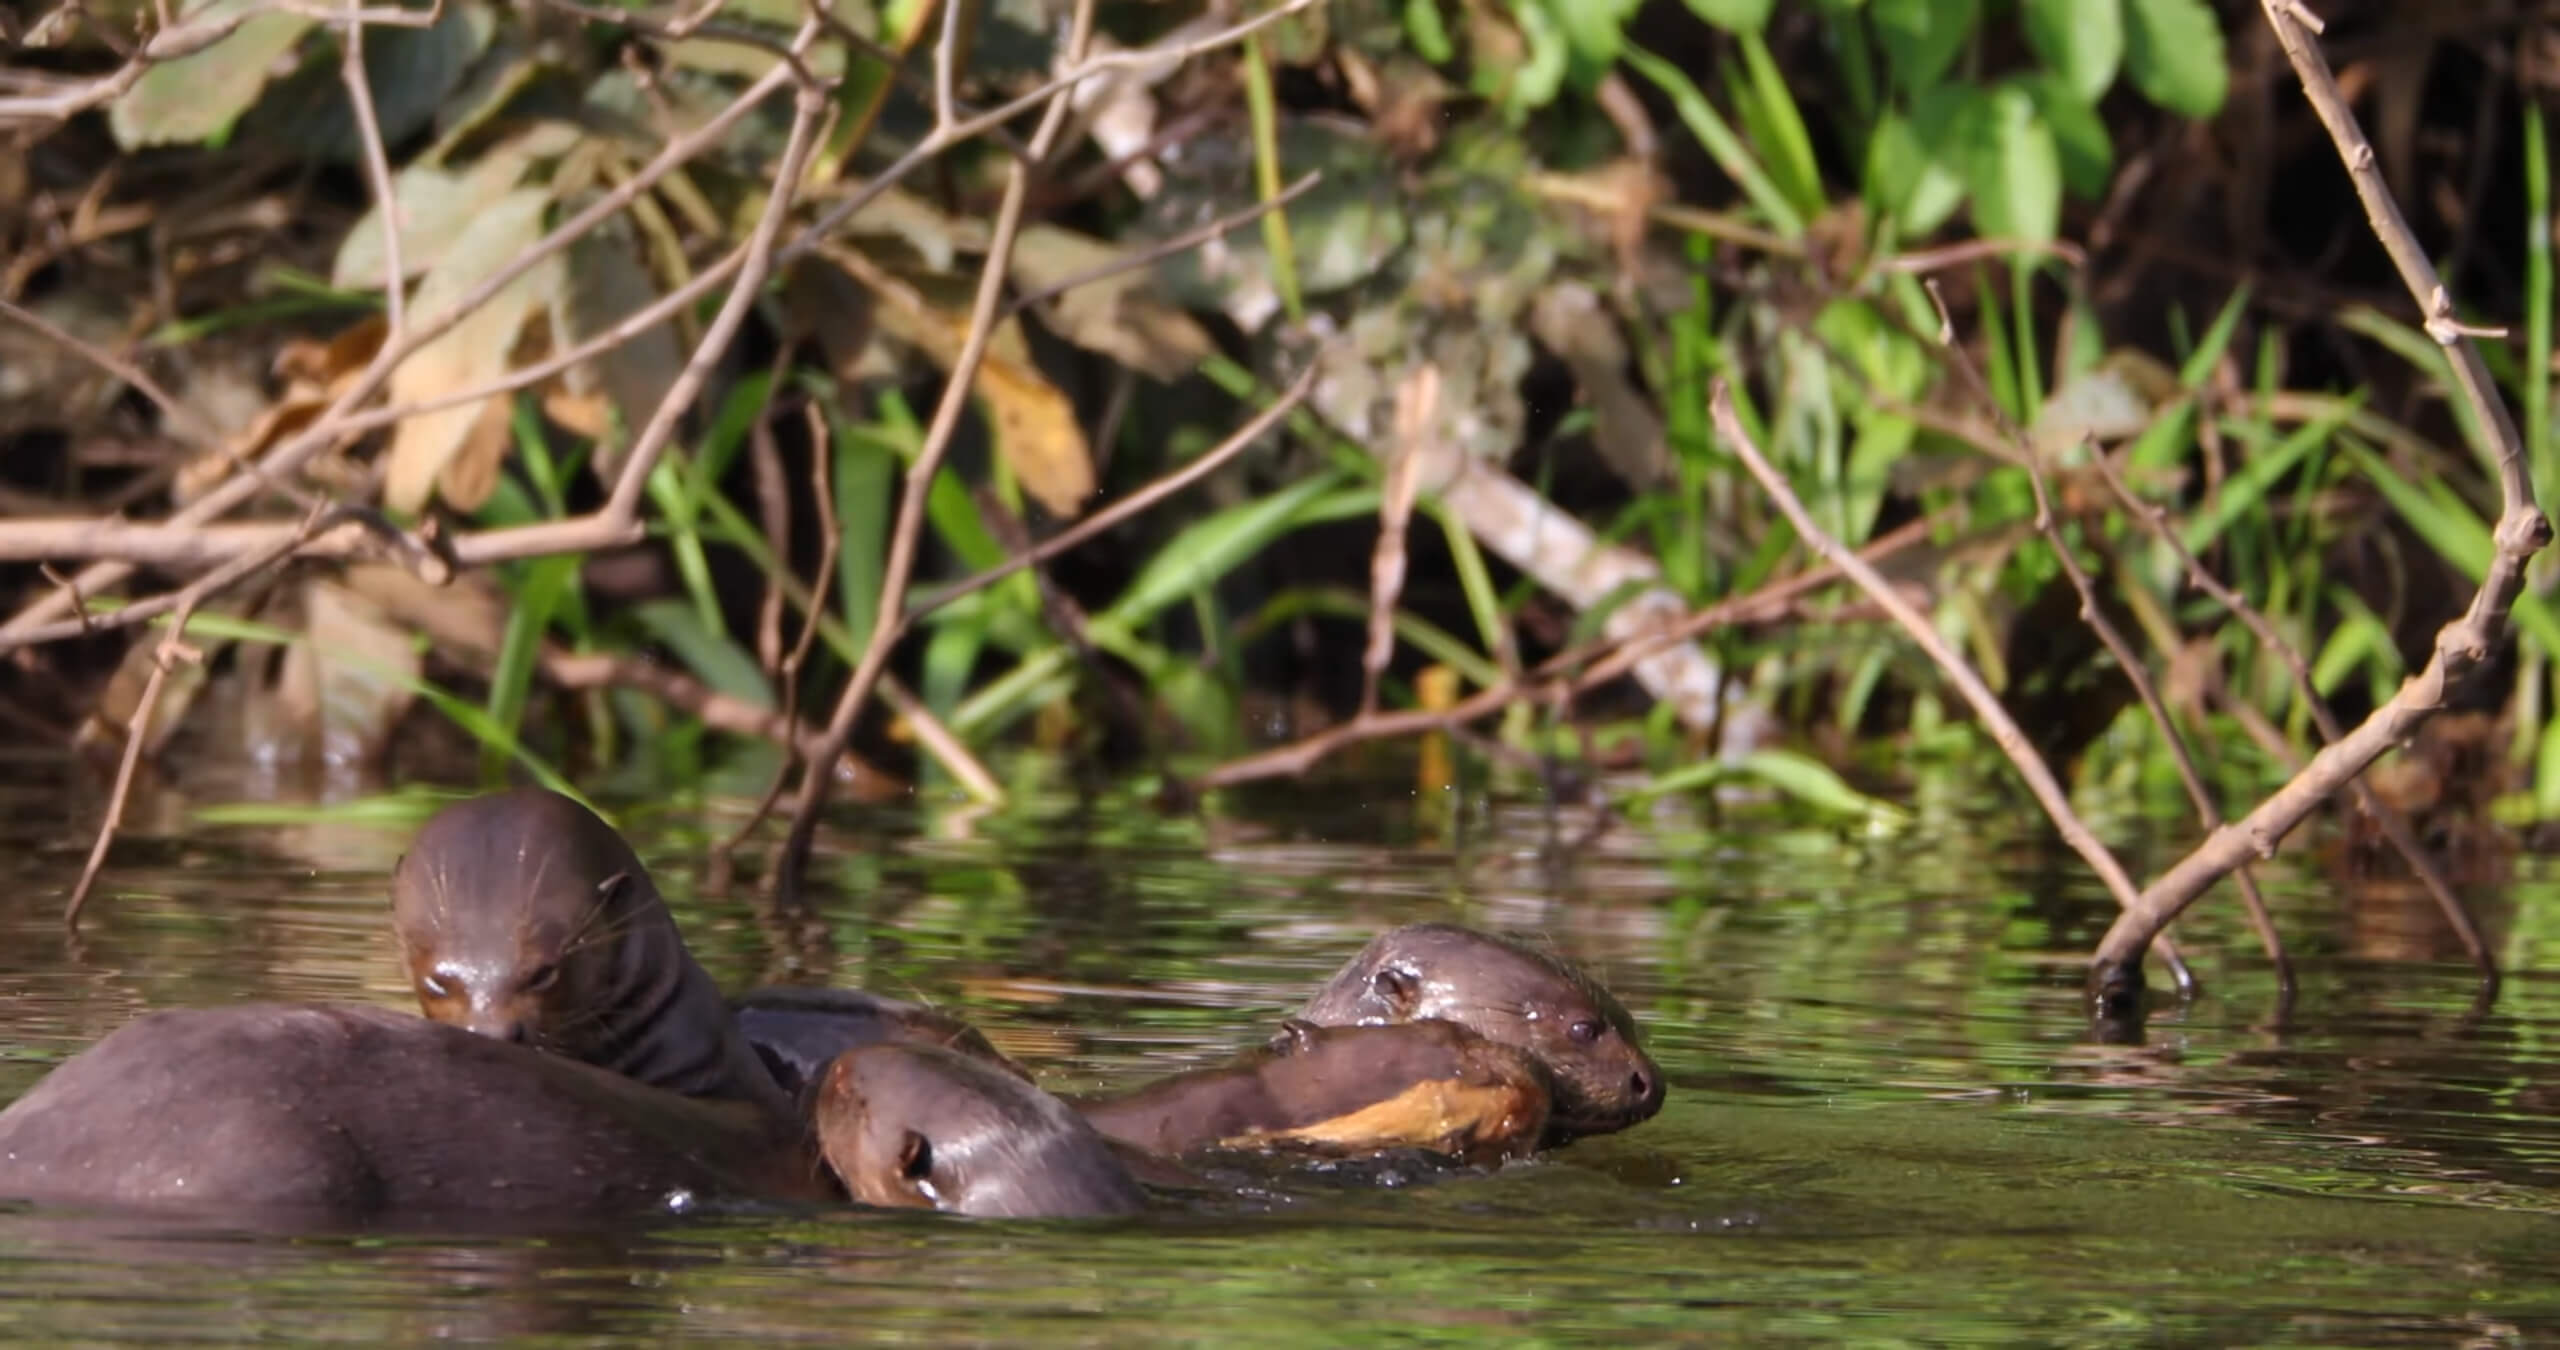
1399, 987
1296, 1036
613, 889
915, 1157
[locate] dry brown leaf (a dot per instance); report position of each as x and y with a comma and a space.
1116, 316
589, 415
473, 353
472, 473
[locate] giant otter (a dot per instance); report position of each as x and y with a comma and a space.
352, 1116
1512, 993
1342, 1091
524, 917
799, 1031
923, 1127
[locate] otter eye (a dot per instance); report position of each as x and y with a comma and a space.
542, 978
1585, 1032
915, 1157
433, 986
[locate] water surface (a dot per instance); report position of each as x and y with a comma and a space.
1886, 1119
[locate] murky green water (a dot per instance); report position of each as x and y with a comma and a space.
1886, 1122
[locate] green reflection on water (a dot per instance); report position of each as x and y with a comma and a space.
1885, 1125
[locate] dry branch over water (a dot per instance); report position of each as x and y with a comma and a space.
1307, 394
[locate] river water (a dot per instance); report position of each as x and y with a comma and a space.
1887, 1122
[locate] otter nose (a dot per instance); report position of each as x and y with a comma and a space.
498, 1027
1647, 1089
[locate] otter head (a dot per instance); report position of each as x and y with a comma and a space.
919, 1127
518, 916
1511, 993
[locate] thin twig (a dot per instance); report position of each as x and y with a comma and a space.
2462, 646
337, 421
1558, 679
956, 393
1959, 672
2395, 826
1136, 503
377, 171
1417, 401
173, 649
2092, 613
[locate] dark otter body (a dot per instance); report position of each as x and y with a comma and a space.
922, 1127
800, 1031
344, 1115
1343, 1091
524, 917
1509, 992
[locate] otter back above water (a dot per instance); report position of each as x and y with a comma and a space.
351, 1115
799, 1031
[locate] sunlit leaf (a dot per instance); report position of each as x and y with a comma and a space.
1922, 37
1734, 16
2013, 169
198, 96
2082, 41
2173, 51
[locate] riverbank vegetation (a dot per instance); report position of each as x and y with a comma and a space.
629, 396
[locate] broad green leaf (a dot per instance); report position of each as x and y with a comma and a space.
1429, 36
2013, 169
1922, 37
2081, 40
2173, 51
1911, 175
200, 95
2088, 158
1593, 32
1538, 80
1734, 16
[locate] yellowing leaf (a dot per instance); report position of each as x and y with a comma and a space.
198, 96
471, 354
1037, 432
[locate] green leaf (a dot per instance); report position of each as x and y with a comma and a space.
711, 654
1777, 127
2088, 158
2173, 51
2082, 40
1910, 174
1734, 16
1922, 37
1208, 549
198, 96
1812, 782
1429, 36
1716, 134
1538, 80
1593, 32
537, 595
2013, 169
